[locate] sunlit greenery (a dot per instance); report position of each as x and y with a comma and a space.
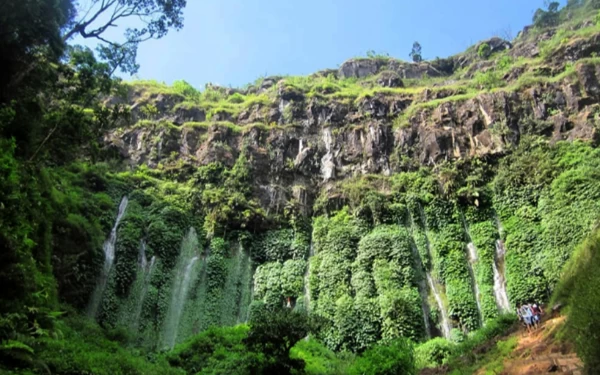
356, 283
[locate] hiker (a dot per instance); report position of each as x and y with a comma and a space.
527, 315
534, 321
537, 313
519, 315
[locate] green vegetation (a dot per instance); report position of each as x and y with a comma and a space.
416, 52
484, 51
79, 347
218, 269
462, 357
578, 289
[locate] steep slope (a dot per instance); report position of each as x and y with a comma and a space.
391, 199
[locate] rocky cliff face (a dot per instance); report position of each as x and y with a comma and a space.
372, 116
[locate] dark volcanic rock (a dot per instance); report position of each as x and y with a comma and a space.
389, 79
363, 67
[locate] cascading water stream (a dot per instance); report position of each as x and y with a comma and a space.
445, 323
422, 286
109, 258
306, 278
181, 284
423, 289
446, 327
145, 275
499, 278
327, 164
472, 251
472, 255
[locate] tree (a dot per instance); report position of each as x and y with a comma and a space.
415, 54
154, 18
274, 333
549, 17
29, 32
52, 87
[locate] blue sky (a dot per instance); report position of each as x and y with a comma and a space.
233, 42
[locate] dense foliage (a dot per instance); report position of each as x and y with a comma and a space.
578, 288
394, 261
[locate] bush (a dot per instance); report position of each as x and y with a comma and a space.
236, 98
393, 359
484, 51
215, 351
318, 358
579, 288
85, 349
433, 353
488, 80
493, 328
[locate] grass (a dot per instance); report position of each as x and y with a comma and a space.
211, 100
471, 354
350, 91
492, 362
564, 37
402, 121
578, 290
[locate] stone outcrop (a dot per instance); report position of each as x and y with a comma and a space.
362, 67
301, 144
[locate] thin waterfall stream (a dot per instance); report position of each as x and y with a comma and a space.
109, 257
446, 327
499, 278
472, 251
500, 272
182, 280
421, 284
145, 275
472, 257
306, 278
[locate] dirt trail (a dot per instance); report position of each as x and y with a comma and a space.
537, 353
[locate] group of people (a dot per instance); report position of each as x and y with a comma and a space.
530, 315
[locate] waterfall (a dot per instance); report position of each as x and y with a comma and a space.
144, 276
306, 278
472, 255
422, 291
142, 260
446, 327
425, 307
109, 258
182, 280
472, 251
422, 285
445, 323
499, 279
327, 163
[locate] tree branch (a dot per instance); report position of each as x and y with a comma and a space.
43, 142
81, 25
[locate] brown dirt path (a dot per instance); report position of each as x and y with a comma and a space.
538, 353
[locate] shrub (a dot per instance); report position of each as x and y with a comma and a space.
433, 353
488, 80
187, 90
215, 351
236, 98
318, 358
579, 288
85, 349
484, 51
395, 358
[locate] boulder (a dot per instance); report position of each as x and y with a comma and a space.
389, 79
